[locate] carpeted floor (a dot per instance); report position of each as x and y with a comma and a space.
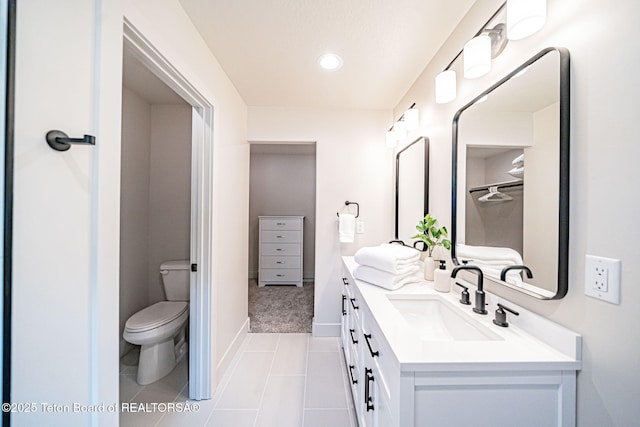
280, 309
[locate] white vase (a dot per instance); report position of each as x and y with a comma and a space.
429, 267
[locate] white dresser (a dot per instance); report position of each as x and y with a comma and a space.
280, 247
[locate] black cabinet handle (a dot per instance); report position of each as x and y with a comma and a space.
344, 311
353, 380
353, 340
367, 337
367, 391
345, 281
353, 303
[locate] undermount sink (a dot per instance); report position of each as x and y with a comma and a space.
433, 319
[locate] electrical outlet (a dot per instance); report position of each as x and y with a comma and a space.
360, 227
602, 278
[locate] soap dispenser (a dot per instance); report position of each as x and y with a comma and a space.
442, 278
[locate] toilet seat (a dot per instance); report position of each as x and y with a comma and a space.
155, 316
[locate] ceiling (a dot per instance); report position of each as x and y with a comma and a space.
269, 48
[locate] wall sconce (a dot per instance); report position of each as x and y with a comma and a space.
523, 18
409, 121
445, 87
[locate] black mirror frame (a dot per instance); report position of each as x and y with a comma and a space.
563, 205
426, 178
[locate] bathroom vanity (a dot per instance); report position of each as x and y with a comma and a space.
417, 357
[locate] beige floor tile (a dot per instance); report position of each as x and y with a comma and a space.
282, 402
247, 382
291, 355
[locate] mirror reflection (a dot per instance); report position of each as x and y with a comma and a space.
412, 188
510, 213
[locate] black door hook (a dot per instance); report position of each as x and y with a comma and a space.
60, 141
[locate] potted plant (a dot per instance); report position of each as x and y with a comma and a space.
432, 236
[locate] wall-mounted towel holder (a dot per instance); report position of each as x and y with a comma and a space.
347, 203
60, 141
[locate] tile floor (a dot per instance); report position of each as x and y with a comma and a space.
275, 380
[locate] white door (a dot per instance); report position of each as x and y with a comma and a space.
65, 260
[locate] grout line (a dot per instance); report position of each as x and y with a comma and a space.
306, 370
264, 390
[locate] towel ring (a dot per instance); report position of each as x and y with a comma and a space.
347, 203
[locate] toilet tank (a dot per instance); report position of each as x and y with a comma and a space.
175, 278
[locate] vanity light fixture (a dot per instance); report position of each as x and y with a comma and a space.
445, 87
409, 121
330, 61
523, 18
477, 57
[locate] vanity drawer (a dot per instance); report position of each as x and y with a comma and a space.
281, 224
276, 275
284, 236
280, 262
280, 249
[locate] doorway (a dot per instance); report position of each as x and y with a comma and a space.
201, 375
282, 185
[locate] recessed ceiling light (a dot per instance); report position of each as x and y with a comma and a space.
330, 61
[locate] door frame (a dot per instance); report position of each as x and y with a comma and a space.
201, 375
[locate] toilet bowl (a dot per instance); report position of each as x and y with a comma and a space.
160, 328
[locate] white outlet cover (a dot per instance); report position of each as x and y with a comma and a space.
602, 278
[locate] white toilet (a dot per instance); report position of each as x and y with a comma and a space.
160, 328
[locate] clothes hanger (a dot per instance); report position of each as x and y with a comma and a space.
494, 196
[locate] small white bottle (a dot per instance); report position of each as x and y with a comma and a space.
442, 278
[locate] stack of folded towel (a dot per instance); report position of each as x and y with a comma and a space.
492, 260
390, 266
518, 167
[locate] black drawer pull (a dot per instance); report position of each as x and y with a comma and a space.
281, 223
344, 311
353, 340
353, 303
345, 281
353, 380
280, 262
279, 249
367, 337
279, 275
279, 237
367, 391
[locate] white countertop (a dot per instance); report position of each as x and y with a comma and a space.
534, 343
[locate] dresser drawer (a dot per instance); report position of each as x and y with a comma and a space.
281, 236
280, 262
281, 224
280, 249
276, 275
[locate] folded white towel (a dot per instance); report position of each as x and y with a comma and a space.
508, 256
492, 260
517, 172
385, 279
392, 258
346, 227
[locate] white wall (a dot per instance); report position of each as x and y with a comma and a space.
283, 184
183, 47
134, 208
604, 204
169, 191
352, 163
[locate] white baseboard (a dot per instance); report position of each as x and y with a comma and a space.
231, 351
325, 329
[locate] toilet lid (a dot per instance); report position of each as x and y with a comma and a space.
156, 315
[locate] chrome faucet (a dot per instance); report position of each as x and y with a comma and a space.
480, 295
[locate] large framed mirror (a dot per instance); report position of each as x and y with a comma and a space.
412, 188
510, 179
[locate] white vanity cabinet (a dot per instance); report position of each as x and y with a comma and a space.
400, 379
364, 356
280, 250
